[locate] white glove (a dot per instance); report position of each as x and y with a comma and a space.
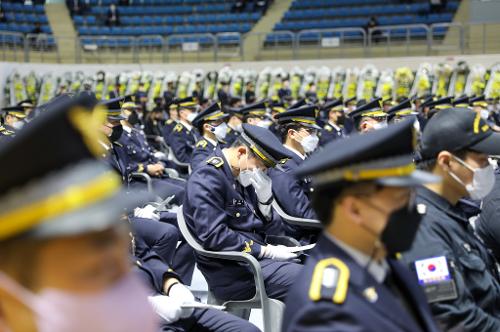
147, 212
262, 185
160, 155
279, 252
166, 307
182, 294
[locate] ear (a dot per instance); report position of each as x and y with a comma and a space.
351, 208
443, 160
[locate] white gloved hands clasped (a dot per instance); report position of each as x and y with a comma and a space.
262, 185
182, 294
166, 307
147, 212
279, 252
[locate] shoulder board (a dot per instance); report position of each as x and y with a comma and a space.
284, 160
330, 281
119, 144
201, 144
178, 127
228, 130
169, 121
328, 128
216, 162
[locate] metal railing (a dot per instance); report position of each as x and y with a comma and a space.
413, 39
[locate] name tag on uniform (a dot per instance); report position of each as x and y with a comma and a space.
238, 202
435, 277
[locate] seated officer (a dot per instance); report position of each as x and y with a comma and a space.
211, 124
349, 106
117, 156
64, 264
299, 134
233, 125
400, 111
369, 116
183, 137
168, 294
13, 117
435, 106
333, 129
256, 114
225, 213
455, 145
363, 197
171, 122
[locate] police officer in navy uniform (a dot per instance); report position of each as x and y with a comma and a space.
363, 197
400, 111
299, 135
183, 137
228, 208
211, 124
171, 122
369, 116
333, 129
256, 114
234, 124
13, 119
455, 144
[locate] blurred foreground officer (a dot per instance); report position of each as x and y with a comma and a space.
64, 264
225, 213
457, 272
351, 282
369, 116
212, 126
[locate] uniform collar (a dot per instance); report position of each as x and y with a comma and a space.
127, 129
211, 141
295, 151
378, 270
441, 203
187, 125
337, 128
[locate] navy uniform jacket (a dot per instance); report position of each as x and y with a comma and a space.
292, 194
168, 127
224, 216
138, 151
445, 231
355, 303
116, 157
182, 142
330, 133
202, 150
231, 136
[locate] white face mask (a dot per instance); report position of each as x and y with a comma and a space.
191, 117
483, 180
121, 308
264, 123
309, 143
484, 114
220, 131
380, 125
245, 176
18, 124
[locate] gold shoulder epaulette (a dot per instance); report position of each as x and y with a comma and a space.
178, 127
328, 128
216, 161
330, 281
201, 143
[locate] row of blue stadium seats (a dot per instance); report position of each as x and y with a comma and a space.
168, 10
19, 7
17, 40
25, 28
331, 3
153, 2
353, 35
127, 42
162, 30
29, 18
179, 19
363, 11
361, 22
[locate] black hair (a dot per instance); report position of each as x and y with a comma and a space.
283, 129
